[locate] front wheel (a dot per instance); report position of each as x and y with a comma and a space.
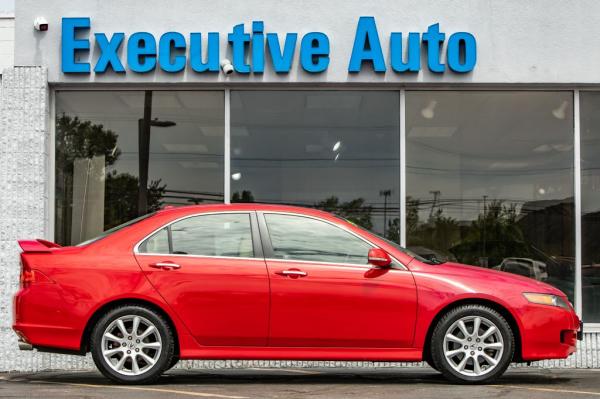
472, 344
132, 345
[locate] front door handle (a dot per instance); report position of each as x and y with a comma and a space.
165, 265
294, 273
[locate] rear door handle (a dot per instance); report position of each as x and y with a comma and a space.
292, 273
165, 265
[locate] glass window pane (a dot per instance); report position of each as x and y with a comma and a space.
120, 154
334, 150
214, 235
158, 243
490, 180
301, 238
590, 205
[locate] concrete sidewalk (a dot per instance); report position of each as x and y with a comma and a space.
303, 383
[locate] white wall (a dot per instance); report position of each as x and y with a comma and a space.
534, 41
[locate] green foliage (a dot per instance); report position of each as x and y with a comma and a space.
121, 198
77, 139
246, 196
355, 210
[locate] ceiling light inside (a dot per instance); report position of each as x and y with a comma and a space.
561, 111
429, 111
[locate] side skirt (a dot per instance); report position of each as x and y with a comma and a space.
281, 353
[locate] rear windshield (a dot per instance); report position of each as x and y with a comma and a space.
115, 229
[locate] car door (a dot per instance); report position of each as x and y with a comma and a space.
323, 292
211, 271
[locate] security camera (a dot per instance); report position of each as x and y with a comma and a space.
41, 24
226, 66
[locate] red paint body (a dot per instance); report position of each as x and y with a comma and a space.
243, 308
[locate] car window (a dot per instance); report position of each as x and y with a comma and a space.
158, 243
115, 229
303, 238
227, 234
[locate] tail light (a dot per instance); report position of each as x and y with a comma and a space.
31, 276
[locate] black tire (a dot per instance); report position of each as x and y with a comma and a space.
469, 376
430, 363
164, 356
173, 363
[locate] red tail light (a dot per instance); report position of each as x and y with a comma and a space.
27, 276
31, 276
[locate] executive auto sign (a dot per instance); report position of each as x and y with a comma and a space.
174, 52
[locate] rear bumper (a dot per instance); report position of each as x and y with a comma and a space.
40, 323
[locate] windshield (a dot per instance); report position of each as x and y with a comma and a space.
429, 261
115, 229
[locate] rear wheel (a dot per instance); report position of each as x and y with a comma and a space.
132, 345
472, 344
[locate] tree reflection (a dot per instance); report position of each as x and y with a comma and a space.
78, 139
354, 210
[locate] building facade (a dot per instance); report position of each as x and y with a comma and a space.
465, 131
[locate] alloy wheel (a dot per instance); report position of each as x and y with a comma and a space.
131, 345
473, 346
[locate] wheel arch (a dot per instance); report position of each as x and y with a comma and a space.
510, 318
93, 319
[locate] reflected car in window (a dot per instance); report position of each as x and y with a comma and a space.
252, 281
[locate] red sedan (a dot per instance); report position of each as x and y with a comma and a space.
251, 281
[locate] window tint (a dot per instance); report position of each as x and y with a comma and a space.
302, 238
158, 243
213, 235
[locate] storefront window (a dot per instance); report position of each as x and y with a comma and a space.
121, 154
590, 205
334, 150
490, 181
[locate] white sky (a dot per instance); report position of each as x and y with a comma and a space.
7, 5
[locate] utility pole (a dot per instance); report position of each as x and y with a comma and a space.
385, 194
436, 198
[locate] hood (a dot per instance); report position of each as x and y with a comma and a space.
497, 276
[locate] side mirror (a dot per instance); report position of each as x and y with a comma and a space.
378, 257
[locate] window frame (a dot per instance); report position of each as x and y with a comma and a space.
254, 233
574, 89
269, 253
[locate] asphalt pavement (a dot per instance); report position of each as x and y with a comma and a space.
403, 383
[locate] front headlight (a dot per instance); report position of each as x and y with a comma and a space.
546, 299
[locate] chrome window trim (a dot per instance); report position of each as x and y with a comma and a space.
197, 256
399, 266
137, 246
344, 228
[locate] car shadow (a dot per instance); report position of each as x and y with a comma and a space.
408, 376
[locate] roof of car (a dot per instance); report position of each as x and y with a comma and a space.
242, 206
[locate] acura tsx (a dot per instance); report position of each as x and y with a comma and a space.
252, 281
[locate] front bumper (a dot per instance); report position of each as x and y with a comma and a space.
548, 332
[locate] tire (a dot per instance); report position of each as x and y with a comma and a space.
128, 356
475, 356
431, 364
173, 363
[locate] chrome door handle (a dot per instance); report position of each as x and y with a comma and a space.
164, 265
293, 273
